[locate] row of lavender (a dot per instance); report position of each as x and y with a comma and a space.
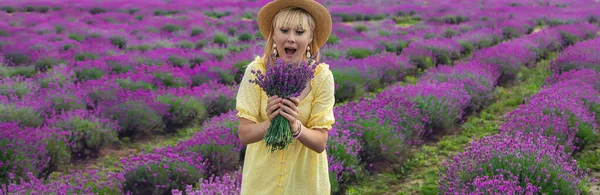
112, 39
57, 93
532, 154
404, 118
72, 111
89, 132
404, 115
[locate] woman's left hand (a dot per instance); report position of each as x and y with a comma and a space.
290, 111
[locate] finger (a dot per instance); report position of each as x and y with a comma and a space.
289, 111
290, 104
272, 99
272, 108
296, 101
288, 117
274, 114
274, 102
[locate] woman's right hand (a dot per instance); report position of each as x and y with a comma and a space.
273, 104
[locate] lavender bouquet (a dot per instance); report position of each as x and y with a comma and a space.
285, 80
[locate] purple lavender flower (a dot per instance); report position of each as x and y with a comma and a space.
537, 163
215, 185
581, 55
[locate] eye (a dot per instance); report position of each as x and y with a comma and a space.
283, 30
300, 32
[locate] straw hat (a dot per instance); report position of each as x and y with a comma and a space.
321, 15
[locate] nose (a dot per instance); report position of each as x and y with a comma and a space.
291, 38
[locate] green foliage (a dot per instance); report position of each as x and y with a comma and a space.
24, 116
46, 63
18, 89
119, 42
200, 44
332, 53
359, 53
529, 168
17, 58
226, 77
76, 37
172, 28
217, 15
394, 47
221, 157
359, 28
196, 31
218, 104
83, 56
449, 33
87, 137
9, 157
135, 119
245, 37
97, 10
178, 61
510, 33
118, 67
168, 80
333, 39
220, 39
219, 53
59, 152
350, 84
160, 178
86, 74
185, 44
66, 102
239, 69
183, 111
8, 9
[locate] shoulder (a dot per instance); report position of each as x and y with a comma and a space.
323, 73
256, 64
323, 78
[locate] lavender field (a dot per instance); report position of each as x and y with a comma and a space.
432, 97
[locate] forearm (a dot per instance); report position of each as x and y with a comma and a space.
313, 138
253, 132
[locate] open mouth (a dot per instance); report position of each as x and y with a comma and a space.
290, 51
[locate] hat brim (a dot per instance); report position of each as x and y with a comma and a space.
321, 15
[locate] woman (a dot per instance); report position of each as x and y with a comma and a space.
293, 30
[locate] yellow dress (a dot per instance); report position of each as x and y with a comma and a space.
297, 169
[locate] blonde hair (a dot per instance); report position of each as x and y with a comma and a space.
290, 18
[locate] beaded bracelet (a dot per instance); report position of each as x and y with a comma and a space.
299, 130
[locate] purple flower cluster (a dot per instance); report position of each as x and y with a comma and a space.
532, 159
581, 55
479, 80
88, 182
218, 142
285, 80
442, 103
509, 56
439, 51
560, 111
216, 185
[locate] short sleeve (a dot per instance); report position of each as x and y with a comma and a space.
247, 101
321, 115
